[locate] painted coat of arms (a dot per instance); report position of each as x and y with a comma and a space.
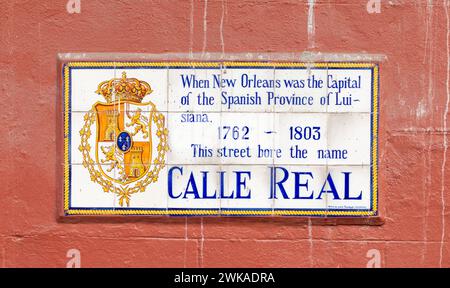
125, 126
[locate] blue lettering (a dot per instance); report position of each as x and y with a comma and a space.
298, 185
273, 171
347, 188
194, 190
332, 190
170, 182
241, 183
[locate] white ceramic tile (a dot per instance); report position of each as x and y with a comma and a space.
300, 90
194, 90
156, 137
246, 187
84, 84
193, 187
301, 136
246, 138
358, 194
77, 123
349, 139
359, 97
85, 193
154, 195
193, 143
250, 90
299, 187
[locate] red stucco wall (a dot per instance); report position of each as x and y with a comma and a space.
413, 161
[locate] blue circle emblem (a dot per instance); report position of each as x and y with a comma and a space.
124, 141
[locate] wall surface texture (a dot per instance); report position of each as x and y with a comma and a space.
414, 161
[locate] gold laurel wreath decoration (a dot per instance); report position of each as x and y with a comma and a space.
124, 192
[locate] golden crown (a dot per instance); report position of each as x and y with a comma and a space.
120, 89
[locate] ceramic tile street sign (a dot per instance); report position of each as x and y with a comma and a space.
220, 138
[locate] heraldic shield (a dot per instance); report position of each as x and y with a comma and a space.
124, 142
124, 161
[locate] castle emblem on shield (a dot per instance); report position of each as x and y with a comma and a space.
123, 160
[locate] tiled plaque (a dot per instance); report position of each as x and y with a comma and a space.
220, 138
